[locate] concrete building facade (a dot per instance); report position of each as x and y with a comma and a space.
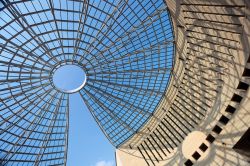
167, 81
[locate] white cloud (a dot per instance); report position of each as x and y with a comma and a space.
104, 163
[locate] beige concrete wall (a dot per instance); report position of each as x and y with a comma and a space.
125, 159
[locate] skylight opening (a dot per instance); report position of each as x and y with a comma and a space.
69, 78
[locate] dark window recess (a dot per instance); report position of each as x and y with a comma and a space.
196, 155
243, 145
243, 86
230, 109
217, 129
203, 147
188, 163
210, 138
236, 98
223, 119
246, 73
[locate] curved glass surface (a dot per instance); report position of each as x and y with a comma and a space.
125, 48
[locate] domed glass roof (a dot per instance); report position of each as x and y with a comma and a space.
125, 48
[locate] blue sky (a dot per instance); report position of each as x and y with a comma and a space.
87, 144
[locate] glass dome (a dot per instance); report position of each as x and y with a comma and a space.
124, 47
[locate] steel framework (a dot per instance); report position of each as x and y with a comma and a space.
125, 48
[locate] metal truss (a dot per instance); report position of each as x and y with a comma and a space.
125, 48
